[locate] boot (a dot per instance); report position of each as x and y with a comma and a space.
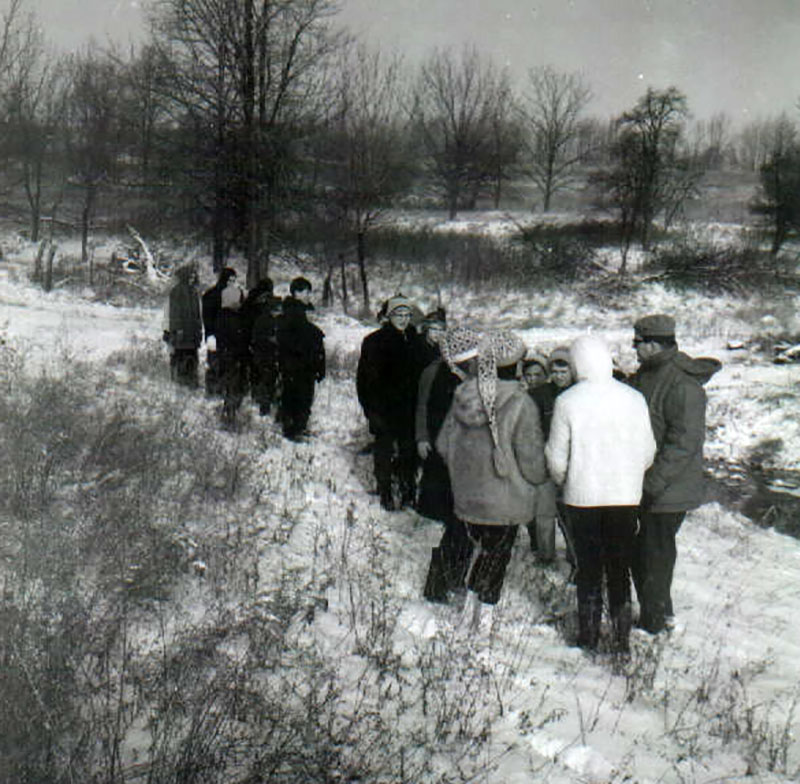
387, 498
589, 625
621, 622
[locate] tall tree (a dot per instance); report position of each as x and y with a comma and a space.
650, 176
91, 117
367, 148
779, 194
551, 109
245, 80
454, 104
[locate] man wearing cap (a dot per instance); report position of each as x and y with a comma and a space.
386, 381
672, 383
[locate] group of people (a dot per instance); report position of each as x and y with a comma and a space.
507, 437
255, 342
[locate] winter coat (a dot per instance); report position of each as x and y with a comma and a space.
260, 311
435, 394
600, 442
301, 349
671, 382
389, 368
182, 319
545, 398
233, 333
212, 302
481, 495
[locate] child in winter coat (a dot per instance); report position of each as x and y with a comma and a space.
301, 357
492, 444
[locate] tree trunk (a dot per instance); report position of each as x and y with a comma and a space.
342, 267
86, 217
362, 268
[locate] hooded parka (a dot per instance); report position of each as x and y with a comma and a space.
671, 382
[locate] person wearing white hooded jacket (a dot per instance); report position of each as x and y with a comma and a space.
599, 447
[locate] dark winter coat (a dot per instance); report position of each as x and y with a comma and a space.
389, 368
233, 333
261, 312
301, 349
672, 385
183, 323
437, 385
545, 398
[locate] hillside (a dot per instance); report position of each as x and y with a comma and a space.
186, 604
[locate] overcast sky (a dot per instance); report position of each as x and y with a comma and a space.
737, 56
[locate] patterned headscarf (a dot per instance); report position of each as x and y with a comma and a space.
459, 345
497, 349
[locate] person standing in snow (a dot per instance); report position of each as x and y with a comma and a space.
542, 530
491, 441
437, 385
672, 384
263, 308
301, 359
599, 448
211, 304
387, 378
183, 326
233, 347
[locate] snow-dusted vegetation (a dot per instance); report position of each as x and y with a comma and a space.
185, 604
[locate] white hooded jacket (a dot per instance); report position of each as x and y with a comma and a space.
601, 442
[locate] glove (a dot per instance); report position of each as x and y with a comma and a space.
165, 336
423, 449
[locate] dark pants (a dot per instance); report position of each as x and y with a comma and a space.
233, 380
603, 538
264, 377
297, 397
183, 366
653, 566
494, 544
435, 494
213, 374
449, 561
395, 456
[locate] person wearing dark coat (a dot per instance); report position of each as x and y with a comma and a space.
437, 386
233, 348
301, 358
262, 309
672, 383
211, 304
183, 326
387, 378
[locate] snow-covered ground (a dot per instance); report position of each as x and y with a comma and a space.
714, 701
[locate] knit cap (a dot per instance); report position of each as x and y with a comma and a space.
396, 302
560, 354
498, 349
437, 316
533, 357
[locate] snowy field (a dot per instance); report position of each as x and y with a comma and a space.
714, 701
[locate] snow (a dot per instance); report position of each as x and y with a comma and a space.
698, 705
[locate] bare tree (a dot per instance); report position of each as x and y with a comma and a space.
91, 113
367, 147
650, 175
32, 105
551, 109
454, 103
245, 80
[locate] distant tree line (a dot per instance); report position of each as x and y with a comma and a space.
246, 120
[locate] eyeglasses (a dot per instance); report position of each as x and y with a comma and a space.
637, 341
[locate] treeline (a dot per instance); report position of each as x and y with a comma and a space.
245, 119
